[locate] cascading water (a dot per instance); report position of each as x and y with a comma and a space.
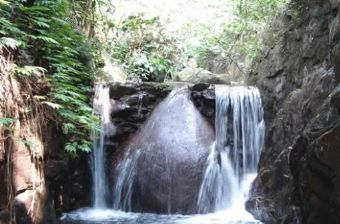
235, 154
124, 181
153, 174
176, 136
102, 108
140, 104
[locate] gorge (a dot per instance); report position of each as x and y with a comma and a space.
114, 120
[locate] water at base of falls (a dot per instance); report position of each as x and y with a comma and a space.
94, 216
231, 168
234, 215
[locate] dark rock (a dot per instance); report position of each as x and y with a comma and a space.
161, 90
200, 87
123, 130
4, 216
122, 110
298, 172
133, 105
204, 100
335, 99
122, 89
55, 169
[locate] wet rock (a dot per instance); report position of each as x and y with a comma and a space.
34, 201
169, 152
298, 78
54, 169
133, 103
118, 90
204, 100
4, 216
200, 87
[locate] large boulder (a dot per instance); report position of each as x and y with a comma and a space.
169, 154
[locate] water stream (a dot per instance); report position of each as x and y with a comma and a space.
233, 158
230, 166
102, 108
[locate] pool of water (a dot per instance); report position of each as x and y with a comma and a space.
107, 216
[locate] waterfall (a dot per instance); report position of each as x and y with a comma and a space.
102, 108
177, 165
140, 104
124, 182
235, 153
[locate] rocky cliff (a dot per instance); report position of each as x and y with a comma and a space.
299, 171
38, 179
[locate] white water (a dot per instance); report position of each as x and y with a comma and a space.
231, 167
140, 104
102, 108
107, 216
232, 163
124, 182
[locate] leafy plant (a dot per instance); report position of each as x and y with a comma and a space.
241, 39
48, 44
145, 49
6, 122
29, 70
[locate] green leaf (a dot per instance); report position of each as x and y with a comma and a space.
8, 42
29, 70
4, 2
52, 105
29, 144
6, 121
71, 147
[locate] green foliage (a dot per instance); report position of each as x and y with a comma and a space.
258, 10
295, 13
145, 49
6, 122
44, 33
240, 41
29, 70
10, 43
29, 144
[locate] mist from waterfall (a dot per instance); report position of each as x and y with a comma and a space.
233, 159
173, 141
102, 108
228, 160
124, 182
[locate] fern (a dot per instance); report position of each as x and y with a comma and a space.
6, 121
61, 54
4, 2
6, 42
29, 70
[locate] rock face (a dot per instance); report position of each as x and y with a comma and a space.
203, 96
38, 179
172, 149
299, 175
132, 104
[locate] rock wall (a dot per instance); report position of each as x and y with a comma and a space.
38, 179
132, 104
299, 76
